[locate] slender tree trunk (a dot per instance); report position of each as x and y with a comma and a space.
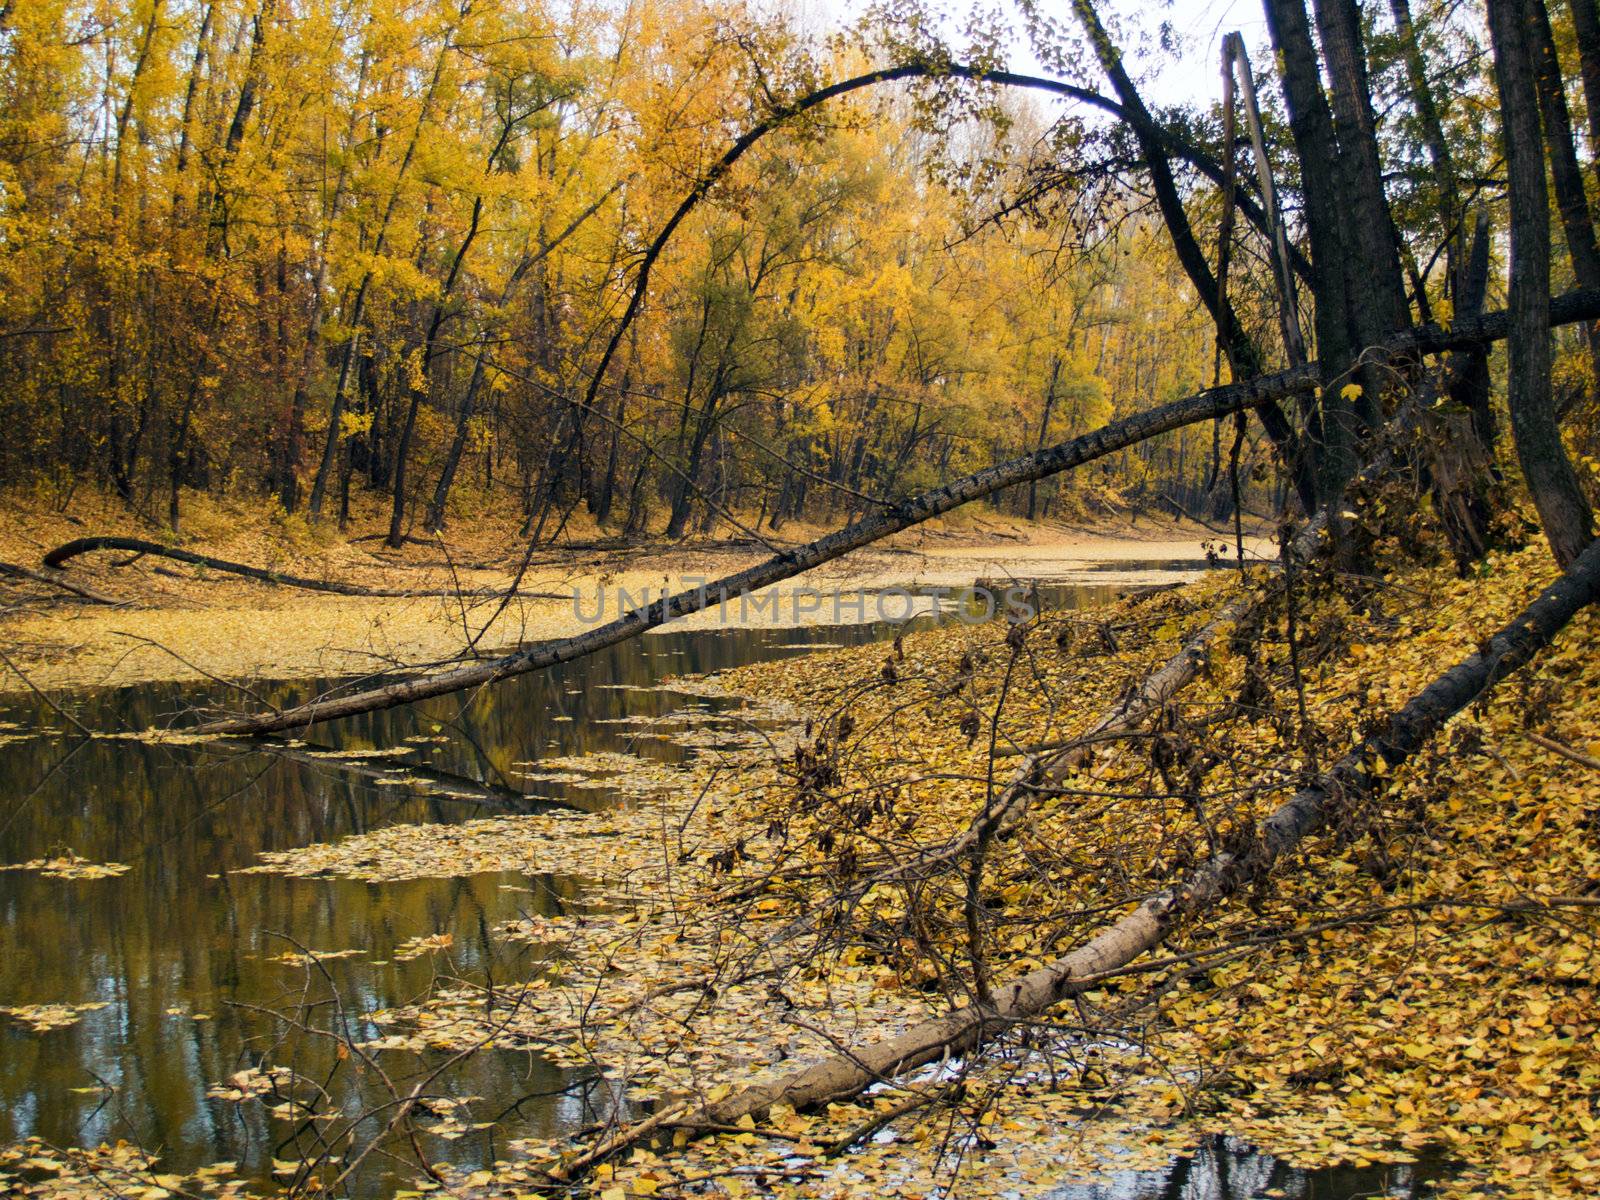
1469, 384
1238, 68
217, 212
1439, 156
1565, 174
1044, 432
458, 445
1586, 24
452, 462
430, 343
608, 485
1565, 513
685, 487
186, 121
288, 467
1459, 438
330, 448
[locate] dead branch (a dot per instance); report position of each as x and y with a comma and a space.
1564, 750
138, 546
77, 589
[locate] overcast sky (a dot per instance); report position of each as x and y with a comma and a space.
1201, 23
1192, 78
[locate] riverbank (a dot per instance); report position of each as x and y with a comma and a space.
183, 623
1413, 998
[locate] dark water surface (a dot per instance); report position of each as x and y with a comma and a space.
1227, 1169
180, 952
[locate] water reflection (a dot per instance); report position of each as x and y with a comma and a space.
1227, 1169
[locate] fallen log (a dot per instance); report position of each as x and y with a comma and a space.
139, 546
1227, 872
76, 589
1052, 460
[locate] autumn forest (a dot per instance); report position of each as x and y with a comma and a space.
722, 599
302, 252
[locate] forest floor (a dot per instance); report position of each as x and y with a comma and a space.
182, 621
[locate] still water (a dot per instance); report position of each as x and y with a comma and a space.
175, 969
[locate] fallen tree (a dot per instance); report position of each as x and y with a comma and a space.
1045, 767
1311, 809
1204, 406
63, 554
65, 585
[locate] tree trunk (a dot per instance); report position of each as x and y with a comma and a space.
1565, 513
1586, 24
458, 445
418, 392
1565, 173
1330, 421
608, 485
1439, 156
685, 486
1044, 432
288, 467
1374, 244
330, 448
1458, 440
